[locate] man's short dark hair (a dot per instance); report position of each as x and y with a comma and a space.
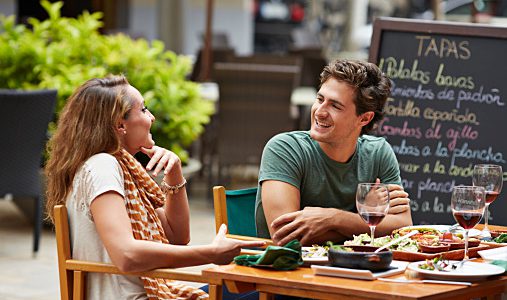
372, 87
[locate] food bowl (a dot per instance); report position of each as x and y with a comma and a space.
433, 248
457, 245
362, 257
496, 233
472, 242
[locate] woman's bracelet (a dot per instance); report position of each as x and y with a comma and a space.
172, 189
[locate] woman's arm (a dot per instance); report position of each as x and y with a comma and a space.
175, 215
128, 254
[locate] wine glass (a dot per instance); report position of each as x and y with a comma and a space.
467, 204
489, 177
372, 202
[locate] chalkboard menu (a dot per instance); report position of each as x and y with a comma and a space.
448, 108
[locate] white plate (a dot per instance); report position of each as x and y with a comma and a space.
470, 271
495, 253
397, 267
316, 260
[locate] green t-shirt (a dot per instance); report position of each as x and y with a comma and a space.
297, 159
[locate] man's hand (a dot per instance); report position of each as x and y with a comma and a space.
305, 225
398, 199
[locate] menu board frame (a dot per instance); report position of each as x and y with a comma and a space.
386, 25
383, 24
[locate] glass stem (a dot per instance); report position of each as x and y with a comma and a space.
372, 229
466, 245
486, 218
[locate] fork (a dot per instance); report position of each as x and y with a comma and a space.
459, 264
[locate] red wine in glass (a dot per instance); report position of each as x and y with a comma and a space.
491, 178
491, 196
372, 218
466, 219
467, 204
372, 203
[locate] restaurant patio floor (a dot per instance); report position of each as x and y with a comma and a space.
24, 277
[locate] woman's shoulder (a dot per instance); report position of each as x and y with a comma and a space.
100, 163
101, 158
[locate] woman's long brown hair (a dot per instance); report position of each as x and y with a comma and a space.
87, 126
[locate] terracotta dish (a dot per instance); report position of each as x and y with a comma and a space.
496, 233
435, 248
362, 257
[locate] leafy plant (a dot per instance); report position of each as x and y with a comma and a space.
61, 53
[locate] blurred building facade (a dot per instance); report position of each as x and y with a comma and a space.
261, 26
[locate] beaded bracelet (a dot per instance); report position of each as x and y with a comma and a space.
172, 189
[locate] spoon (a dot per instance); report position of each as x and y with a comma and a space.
396, 241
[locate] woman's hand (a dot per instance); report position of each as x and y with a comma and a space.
226, 249
163, 159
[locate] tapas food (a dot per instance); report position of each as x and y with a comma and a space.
424, 232
428, 240
497, 233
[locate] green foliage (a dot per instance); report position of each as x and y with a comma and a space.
62, 53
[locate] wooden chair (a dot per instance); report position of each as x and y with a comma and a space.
73, 272
236, 209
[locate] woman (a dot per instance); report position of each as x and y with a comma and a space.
117, 213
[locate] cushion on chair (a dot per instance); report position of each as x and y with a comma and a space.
241, 211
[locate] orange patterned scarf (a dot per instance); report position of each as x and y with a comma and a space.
142, 197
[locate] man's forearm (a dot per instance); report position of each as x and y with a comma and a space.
394, 221
333, 236
349, 223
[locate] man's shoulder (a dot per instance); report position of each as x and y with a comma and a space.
373, 143
292, 137
372, 139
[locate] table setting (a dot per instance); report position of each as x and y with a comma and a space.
469, 264
446, 253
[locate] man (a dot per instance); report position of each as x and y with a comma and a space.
308, 180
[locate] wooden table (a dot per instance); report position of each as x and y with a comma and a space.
303, 283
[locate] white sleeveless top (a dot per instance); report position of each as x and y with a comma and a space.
99, 174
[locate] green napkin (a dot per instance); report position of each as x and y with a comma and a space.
500, 263
287, 257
